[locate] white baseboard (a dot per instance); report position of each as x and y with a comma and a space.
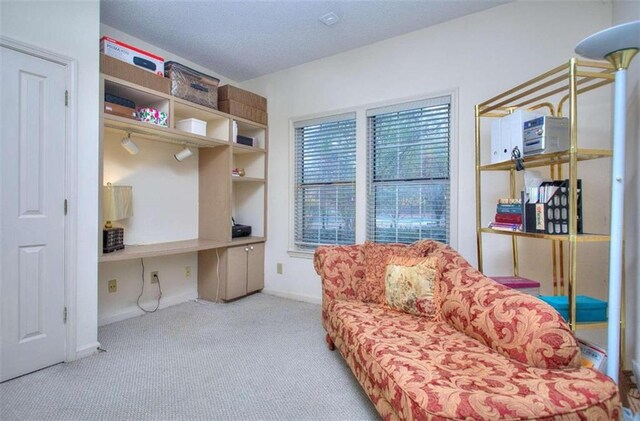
293, 296
104, 320
87, 350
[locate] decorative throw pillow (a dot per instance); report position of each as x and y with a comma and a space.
376, 256
411, 285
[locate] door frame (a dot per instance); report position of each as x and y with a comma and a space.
71, 182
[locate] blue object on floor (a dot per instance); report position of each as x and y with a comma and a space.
588, 309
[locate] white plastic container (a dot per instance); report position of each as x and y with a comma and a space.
192, 125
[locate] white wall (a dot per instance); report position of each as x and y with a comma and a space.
165, 208
480, 56
71, 28
165, 197
626, 11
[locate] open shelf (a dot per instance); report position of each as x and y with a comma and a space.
253, 130
547, 159
241, 149
591, 325
160, 249
218, 124
238, 179
581, 238
246, 240
158, 133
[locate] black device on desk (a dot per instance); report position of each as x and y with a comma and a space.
112, 239
238, 230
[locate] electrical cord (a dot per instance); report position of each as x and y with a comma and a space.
142, 291
217, 274
517, 159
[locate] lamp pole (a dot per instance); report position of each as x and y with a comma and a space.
618, 45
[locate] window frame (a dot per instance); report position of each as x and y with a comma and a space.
308, 122
387, 112
456, 156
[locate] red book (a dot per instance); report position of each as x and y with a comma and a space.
509, 218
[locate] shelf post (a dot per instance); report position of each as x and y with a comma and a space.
478, 195
573, 190
514, 239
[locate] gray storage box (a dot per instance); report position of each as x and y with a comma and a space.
192, 85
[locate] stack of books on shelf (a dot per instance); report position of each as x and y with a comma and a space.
508, 215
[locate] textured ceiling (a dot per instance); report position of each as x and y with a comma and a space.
246, 39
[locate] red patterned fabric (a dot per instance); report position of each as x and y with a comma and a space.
341, 269
376, 257
416, 369
517, 325
494, 357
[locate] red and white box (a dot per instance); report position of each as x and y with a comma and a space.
132, 55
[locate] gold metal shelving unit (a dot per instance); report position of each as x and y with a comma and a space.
562, 84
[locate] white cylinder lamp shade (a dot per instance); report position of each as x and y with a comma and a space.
117, 202
130, 146
183, 154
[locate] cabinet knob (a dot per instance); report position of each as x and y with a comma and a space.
251, 248
246, 249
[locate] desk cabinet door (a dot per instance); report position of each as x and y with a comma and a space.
255, 267
236, 272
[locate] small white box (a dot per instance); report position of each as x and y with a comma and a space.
192, 125
132, 55
507, 133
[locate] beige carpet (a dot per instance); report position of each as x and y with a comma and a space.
260, 357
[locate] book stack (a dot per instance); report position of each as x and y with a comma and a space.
508, 215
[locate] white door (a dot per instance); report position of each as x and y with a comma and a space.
32, 183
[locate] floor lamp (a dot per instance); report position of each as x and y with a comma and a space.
618, 45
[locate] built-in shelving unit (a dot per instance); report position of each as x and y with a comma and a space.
221, 196
560, 86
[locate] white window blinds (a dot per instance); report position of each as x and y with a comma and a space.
325, 170
408, 171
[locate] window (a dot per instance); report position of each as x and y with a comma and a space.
408, 171
325, 175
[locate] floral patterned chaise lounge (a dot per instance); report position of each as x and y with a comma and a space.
487, 353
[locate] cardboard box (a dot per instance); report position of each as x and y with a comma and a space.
119, 110
239, 109
132, 55
125, 71
232, 93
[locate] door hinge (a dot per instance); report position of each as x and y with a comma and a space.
66, 98
64, 315
66, 206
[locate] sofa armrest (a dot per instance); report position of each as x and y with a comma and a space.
517, 325
341, 268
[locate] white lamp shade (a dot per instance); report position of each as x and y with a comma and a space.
117, 202
183, 154
607, 41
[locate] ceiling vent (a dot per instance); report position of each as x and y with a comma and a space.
329, 19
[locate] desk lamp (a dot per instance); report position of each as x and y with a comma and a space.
618, 45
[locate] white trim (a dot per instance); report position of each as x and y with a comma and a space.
135, 312
300, 254
87, 350
361, 163
292, 296
71, 182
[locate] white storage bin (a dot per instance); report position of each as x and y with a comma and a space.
192, 125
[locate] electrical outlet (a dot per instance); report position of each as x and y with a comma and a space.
113, 285
154, 277
187, 271
279, 268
